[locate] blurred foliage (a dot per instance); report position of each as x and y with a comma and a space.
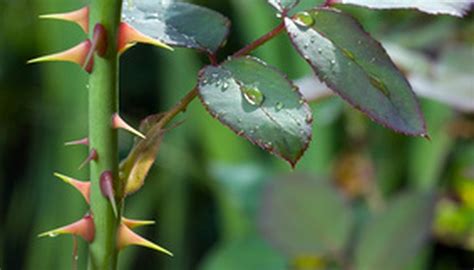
411, 200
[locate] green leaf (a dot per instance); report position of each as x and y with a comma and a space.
393, 238
303, 216
259, 103
248, 253
135, 168
178, 24
356, 67
455, 8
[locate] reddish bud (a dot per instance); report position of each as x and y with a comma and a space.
118, 122
83, 228
127, 237
80, 17
83, 141
92, 156
83, 187
129, 36
107, 188
76, 54
132, 223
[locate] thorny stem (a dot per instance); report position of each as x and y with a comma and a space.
191, 95
103, 103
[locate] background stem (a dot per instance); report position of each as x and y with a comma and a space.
103, 103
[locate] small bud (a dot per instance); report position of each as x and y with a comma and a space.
129, 36
127, 237
107, 189
83, 187
132, 223
118, 122
83, 228
76, 54
80, 16
92, 156
83, 141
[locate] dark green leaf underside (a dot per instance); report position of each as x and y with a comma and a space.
259, 103
178, 24
303, 216
405, 224
356, 67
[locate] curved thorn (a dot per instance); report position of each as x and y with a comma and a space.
83, 227
133, 223
128, 36
81, 186
118, 122
80, 17
92, 156
76, 54
107, 188
127, 237
83, 141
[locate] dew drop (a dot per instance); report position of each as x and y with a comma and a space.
379, 84
239, 120
52, 234
309, 119
301, 101
304, 19
253, 96
333, 62
225, 86
320, 50
279, 106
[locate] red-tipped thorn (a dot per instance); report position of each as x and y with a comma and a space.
92, 156
76, 54
133, 223
80, 17
83, 228
118, 122
129, 36
107, 189
98, 44
82, 186
127, 237
83, 141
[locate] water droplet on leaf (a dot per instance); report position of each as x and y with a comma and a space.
279, 106
304, 19
253, 95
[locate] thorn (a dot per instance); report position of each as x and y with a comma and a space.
82, 186
127, 237
92, 156
107, 189
83, 141
129, 36
80, 17
133, 223
98, 44
83, 228
76, 54
118, 122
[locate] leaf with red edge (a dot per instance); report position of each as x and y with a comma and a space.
177, 23
356, 67
258, 103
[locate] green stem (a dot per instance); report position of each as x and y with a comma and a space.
103, 103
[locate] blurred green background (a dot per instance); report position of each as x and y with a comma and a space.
361, 198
